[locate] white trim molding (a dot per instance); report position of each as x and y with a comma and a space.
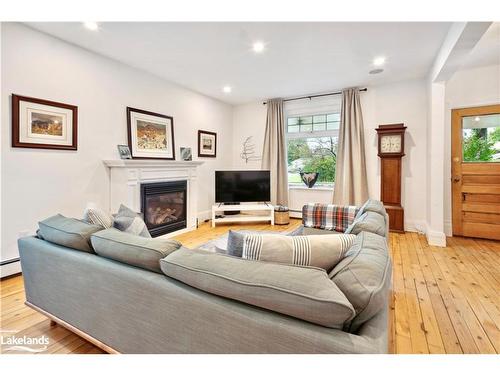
435, 238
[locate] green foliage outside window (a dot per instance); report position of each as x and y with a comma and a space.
479, 145
312, 155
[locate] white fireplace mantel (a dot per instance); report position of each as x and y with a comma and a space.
148, 163
127, 175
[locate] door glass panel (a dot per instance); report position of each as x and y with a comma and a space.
481, 138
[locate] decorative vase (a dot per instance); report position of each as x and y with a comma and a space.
309, 178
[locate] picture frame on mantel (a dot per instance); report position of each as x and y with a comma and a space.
207, 144
44, 124
150, 135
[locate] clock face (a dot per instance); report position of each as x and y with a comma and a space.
390, 143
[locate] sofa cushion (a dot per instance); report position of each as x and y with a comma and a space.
368, 222
302, 292
132, 249
364, 276
129, 221
317, 250
372, 205
68, 232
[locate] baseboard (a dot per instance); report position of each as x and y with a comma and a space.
418, 226
435, 238
204, 215
448, 228
11, 267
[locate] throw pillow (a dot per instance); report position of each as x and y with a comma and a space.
235, 240
129, 221
323, 251
94, 215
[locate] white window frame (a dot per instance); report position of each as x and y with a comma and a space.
317, 106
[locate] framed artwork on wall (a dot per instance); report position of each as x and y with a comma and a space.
186, 154
150, 135
124, 152
207, 144
40, 123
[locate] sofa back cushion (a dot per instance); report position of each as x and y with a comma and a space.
68, 232
372, 205
323, 251
302, 292
369, 222
133, 249
364, 276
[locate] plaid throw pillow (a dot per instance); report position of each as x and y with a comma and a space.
328, 216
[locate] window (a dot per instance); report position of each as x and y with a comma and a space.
312, 146
481, 138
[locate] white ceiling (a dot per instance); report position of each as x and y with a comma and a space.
300, 58
487, 50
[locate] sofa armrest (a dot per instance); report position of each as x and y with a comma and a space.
328, 216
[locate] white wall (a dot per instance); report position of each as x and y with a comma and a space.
467, 88
404, 102
395, 103
40, 183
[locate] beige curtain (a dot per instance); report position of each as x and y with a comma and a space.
274, 151
351, 186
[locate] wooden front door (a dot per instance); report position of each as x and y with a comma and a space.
475, 171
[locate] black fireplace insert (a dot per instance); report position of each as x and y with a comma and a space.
164, 206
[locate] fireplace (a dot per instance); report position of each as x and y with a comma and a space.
164, 206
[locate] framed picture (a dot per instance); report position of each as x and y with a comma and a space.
40, 123
207, 144
124, 152
150, 135
186, 154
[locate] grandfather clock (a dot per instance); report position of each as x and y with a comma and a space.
391, 149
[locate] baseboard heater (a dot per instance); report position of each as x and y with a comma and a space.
9, 261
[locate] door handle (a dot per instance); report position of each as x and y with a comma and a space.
456, 179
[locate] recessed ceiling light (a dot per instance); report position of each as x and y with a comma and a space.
91, 25
227, 89
259, 47
379, 61
376, 71
477, 119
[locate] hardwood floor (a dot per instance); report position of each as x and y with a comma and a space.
445, 300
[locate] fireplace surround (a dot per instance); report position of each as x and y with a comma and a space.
126, 180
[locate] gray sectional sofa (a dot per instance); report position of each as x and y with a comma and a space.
137, 297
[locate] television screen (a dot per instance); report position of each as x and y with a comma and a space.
242, 186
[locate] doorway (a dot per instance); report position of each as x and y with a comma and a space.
475, 171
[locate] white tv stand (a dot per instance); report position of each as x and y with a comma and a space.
261, 212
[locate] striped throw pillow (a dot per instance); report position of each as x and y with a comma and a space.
323, 251
96, 216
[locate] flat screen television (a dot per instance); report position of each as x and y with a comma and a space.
242, 186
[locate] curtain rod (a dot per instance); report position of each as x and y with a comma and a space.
316, 96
